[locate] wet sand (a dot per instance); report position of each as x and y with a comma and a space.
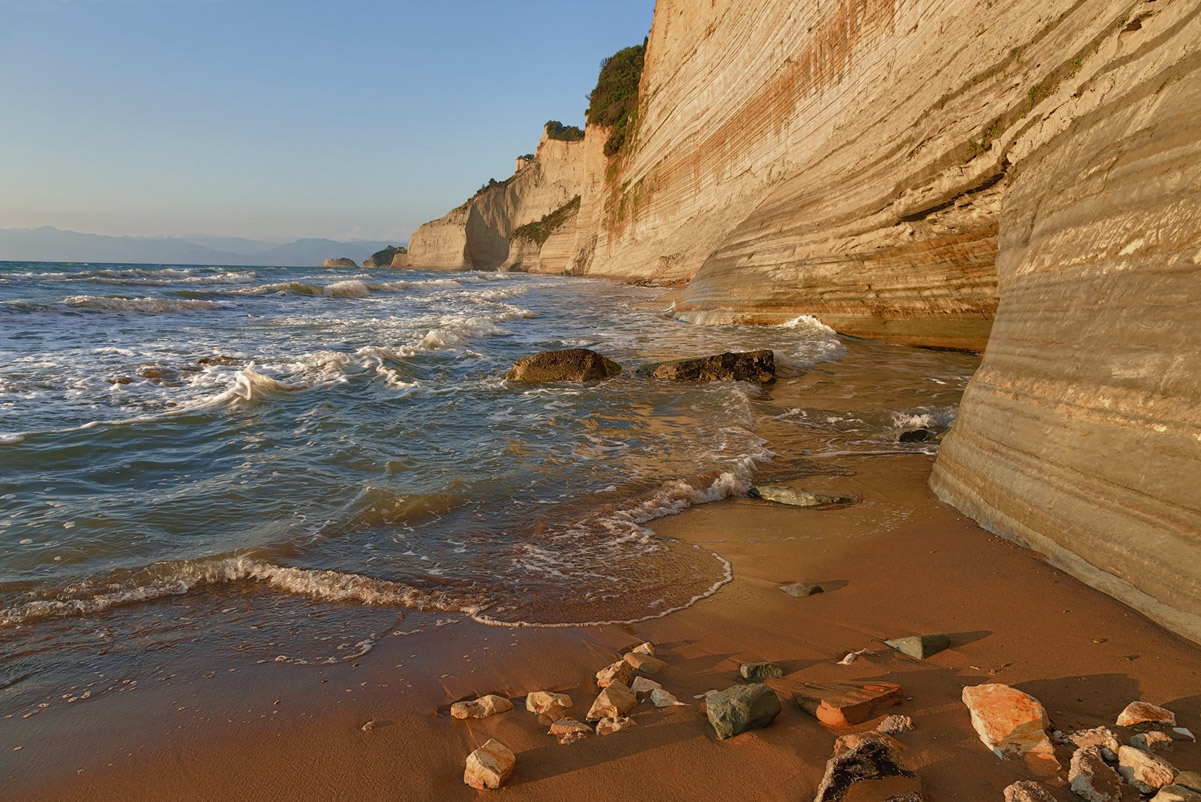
897, 563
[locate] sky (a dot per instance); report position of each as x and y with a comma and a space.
281, 119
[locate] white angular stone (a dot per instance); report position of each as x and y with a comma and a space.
647, 664
644, 648
483, 707
620, 672
613, 702
608, 726
568, 730
540, 702
1144, 771
1101, 737
662, 698
490, 766
1144, 715
642, 685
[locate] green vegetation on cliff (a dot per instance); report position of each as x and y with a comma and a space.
614, 101
541, 230
566, 133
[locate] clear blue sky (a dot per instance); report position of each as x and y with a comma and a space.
282, 118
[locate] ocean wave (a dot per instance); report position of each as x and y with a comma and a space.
178, 578
347, 288
148, 306
458, 330
250, 386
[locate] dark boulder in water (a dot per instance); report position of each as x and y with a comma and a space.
918, 436
746, 366
572, 364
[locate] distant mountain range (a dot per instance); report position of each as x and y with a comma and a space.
47, 244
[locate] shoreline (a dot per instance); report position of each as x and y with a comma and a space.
895, 564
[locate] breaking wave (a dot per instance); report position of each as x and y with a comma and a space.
146, 306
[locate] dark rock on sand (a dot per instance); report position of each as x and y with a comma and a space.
571, 364
760, 671
741, 708
873, 765
747, 366
920, 646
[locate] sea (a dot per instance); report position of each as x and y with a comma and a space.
292, 464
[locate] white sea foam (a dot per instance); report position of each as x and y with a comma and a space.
250, 386
149, 306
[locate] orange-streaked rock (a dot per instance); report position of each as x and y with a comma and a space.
844, 704
490, 766
1144, 715
1011, 723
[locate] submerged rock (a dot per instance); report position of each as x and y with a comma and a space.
1145, 771
760, 671
802, 590
844, 704
490, 766
869, 766
1011, 724
1092, 779
1146, 716
747, 366
798, 498
571, 364
483, 707
613, 702
920, 646
741, 708
1027, 791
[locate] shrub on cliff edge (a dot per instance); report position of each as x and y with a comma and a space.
614, 101
566, 133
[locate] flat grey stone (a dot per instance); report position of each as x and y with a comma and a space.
741, 708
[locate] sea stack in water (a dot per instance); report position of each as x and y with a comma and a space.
340, 262
571, 364
748, 366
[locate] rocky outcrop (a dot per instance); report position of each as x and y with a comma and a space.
749, 366
385, 258
570, 364
340, 262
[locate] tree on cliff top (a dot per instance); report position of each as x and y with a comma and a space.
567, 133
614, 101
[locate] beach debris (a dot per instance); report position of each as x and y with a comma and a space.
642, 685
1153, 741
917, 436
662, 698
483, 707
760, 671
853, 656
613, 702
540, 702
798, 498
895, 725
844, 704
874, 766
1182, 734
741, 708
608, 726
1092, 779
1101, 737
706, 694
644, 648
1145, 771
920, 646
1027, 791
1190, 780
568, 730
1146, 716
1176, 793
802, 589
738, 366
570, 364
490, 766
368, 727
1012, 724
619, 672
646, 663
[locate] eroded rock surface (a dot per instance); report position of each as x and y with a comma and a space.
1144, 771
483, 707
1145, 716
748, 366
741, 708
1092, 779
1011, 723
570, 364
869, 766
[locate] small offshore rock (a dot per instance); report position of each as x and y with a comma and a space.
748, 366
741, 708
1101, 737
540, 702
895, 725
568, 730
1176, 793
642, 685
1144, 771
869, 766
1092, 779
920, 646
844, 704
760, 671
662, 698
490, 766
619, 672
613, 702
1011, 723
1146, 716
647, 664
802, 589
798, 498
1027, 791
608, 726
570, 364
1153, 741
644, 648
917, 436
483, 707
340, 262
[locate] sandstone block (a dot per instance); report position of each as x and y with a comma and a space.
647, 664
1144, 716
620, 672
613, 702
540, 702
760, 671
568, 730
1010, 723
644, 685
571, 364
920, 646
483, 707
662, 698
741, 708
869, 766
644, 648
490, 766
1101, 737
749, 366
844, 704
895, 724
608, 726
1092, 779
1144, 771
1027, 791
1153, 741
802, 589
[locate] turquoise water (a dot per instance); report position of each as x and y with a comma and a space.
294, 463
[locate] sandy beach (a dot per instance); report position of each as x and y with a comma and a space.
897, 563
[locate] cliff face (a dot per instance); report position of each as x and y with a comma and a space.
1080, 434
